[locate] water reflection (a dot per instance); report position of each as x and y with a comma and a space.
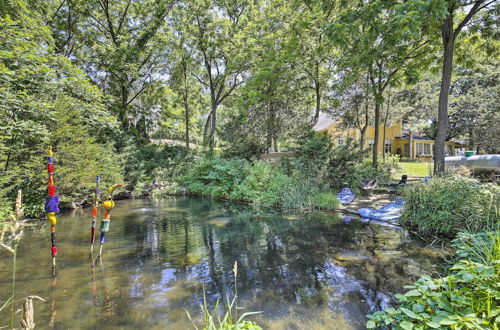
303, 271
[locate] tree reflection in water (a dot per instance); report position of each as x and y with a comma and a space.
309, 272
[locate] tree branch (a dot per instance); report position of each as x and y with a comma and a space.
467, 18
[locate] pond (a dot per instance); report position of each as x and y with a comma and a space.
300, 270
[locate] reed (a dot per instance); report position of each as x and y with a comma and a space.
449, 205
212, 318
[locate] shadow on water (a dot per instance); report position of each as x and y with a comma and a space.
301, 270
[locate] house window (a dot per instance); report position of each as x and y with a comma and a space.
388, 146
370, 144
424, 149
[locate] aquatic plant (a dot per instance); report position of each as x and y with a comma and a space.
230, 320
452, 204
468, 298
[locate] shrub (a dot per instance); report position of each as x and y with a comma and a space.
263, 185
311, 160
347, 170
467, 298
325, 201
143, 163
452, 204
216, 177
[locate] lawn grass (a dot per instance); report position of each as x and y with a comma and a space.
414, 169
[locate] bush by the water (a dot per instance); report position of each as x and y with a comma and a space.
452, 204
258, 182
468, 298
307, 180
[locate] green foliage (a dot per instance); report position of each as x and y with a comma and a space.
480, 247
347, 169
46, 100
216, 177
468, 298
325, 201
145, 163
263, 185
451, 204
258, 182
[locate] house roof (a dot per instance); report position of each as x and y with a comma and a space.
425, 138
324, 121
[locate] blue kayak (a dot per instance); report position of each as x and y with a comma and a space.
346, 196
391, 211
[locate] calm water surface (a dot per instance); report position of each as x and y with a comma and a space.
303, 271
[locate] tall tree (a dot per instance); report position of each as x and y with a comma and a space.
449, 32
181, 79
385, 39
355, 107
214, 32
119, 44
314, 57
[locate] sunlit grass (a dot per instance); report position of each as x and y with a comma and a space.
414, 169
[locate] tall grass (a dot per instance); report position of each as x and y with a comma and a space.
452, 204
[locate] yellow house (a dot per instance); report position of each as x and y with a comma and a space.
396, 140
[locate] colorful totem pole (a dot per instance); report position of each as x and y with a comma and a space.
52, 204
94, 213
108, 204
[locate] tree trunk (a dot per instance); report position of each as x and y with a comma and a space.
448, 43
385, 122
269, 135
377, 133
362, 138
317, 90
186, 110
318, 103
123, 106
212, 130
410, 149
186, 106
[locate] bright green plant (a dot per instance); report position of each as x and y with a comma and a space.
325, 201
216, 177
229, 320
452, 204
468, 298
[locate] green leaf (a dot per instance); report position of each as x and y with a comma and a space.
418, 308
467, 277
447, 322
409, 313
406, 325
413, 293
433, 325
370, 325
